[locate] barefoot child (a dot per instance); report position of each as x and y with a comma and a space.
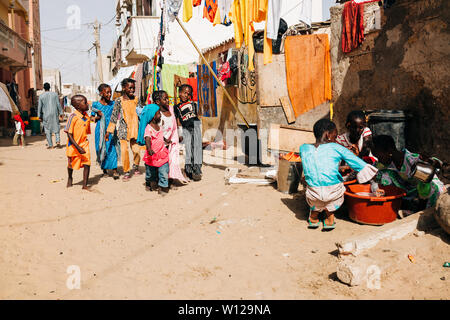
325, 188
156, 157
78, 127
190, 129
107, 151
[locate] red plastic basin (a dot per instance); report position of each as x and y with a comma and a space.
350, 182
373, 210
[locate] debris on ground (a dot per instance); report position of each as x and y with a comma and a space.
252, 175
418, 233
214, 220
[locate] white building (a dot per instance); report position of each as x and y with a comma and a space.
53, 77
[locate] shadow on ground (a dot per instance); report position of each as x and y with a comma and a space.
92, 180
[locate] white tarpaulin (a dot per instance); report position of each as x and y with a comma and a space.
6, 103
123, 73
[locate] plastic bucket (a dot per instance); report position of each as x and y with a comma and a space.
35, 125
389, 122
346, 183
288, 177
373, 210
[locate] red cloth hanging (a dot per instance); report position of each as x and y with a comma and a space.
193, 83
197, 3
225, 71
352, 26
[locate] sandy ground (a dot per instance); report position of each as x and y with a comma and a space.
132, 244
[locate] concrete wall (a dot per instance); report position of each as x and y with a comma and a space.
402, 66
36, 72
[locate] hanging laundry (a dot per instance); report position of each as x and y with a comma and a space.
138, 76
210, 9
225, 71
306, 12
173, 7
235, 15
352, 26
243, 14
308, 75
224, 11
246, 81
273, 18
187, 10
257, 11
194, 84
197, 3
167, 73
207, 103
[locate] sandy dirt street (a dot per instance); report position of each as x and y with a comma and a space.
133, 244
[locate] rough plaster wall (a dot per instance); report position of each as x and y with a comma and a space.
403, 66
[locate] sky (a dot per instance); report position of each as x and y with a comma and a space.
66, 49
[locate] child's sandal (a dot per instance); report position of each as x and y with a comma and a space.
329, 228
312, 225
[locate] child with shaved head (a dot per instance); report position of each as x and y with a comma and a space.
77, 128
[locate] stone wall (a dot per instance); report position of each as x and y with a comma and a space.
404, 65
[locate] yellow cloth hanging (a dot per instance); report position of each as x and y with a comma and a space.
217, 19
267, 48
235, 15
243, 14
187, 10
258, 13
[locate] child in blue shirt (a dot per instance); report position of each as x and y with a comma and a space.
325, 188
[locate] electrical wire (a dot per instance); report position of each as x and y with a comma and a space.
78, 37
65, 27
61, 48
105, 24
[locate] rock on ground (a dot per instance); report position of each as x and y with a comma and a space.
442, 213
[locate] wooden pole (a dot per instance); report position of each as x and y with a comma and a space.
213, 73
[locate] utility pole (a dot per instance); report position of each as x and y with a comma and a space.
98, 51
90, 70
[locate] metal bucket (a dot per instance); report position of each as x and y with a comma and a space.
423, 172
289, 175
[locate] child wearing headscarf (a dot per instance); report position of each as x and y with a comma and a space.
20, 131
156, 157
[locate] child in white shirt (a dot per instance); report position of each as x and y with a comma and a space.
20, 131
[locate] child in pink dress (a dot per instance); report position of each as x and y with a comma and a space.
157, 155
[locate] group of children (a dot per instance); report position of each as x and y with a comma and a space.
159, 127
373, 159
